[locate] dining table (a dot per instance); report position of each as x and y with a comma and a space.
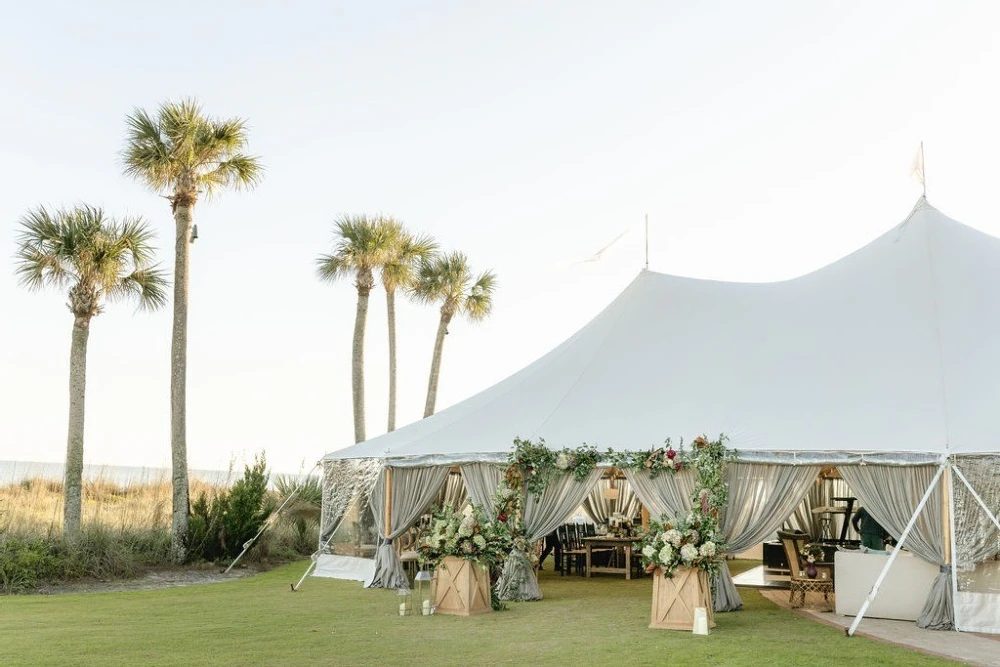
609, 542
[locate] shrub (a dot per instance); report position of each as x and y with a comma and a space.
220, 526
24, 562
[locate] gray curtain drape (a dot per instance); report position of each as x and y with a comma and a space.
413, 489
821, 494
976, 536
454, 492
482, 480
564, 494
891, 495
666, 494
761, 498
599, 508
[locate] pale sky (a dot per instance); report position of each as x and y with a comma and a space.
764, 140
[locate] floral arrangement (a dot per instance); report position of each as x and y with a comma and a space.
463, 534
691, 542
694, 541
533, 465
812, 553
654, 462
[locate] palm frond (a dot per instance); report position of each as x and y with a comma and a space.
479, 303
146, 156
238, 172
331, 268
42, 259
148, 287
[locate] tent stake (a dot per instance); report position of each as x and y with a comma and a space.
895, 552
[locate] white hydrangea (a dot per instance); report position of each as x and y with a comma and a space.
649, 551
666, 554
562, 462
688, 553
707, 549
672, 536
480, 541
466, 527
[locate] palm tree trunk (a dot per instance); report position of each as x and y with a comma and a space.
432, 384
390, 305
358, 358
73, 482
178, 384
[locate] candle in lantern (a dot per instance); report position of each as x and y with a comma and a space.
402, 609
427, 608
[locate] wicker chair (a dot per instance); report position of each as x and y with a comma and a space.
800, 583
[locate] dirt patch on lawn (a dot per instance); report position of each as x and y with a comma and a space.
195, 575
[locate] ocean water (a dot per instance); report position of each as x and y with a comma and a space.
12, 472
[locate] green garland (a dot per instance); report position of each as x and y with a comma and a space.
533, 465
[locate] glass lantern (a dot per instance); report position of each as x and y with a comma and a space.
426, 582
404, 601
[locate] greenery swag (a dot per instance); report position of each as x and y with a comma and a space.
694, 540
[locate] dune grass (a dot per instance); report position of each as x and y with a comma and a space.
259, 621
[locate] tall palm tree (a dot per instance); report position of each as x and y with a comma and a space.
183, 154
98, 259
448, 280
398, 272
361, 246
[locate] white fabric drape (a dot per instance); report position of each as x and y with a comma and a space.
413, 489
600, 509
563, 494
891, 495
761, 498
667, 494
482, 480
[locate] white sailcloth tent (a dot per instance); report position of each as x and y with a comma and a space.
887, 357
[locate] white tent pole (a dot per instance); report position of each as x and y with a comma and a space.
895, 552
954, 544
979, 500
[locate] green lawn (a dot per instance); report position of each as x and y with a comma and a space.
259, 621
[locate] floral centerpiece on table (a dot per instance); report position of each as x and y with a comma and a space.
464, 534
812, 553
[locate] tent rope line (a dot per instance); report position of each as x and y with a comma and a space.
273, 517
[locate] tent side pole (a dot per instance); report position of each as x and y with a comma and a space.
388, 502
895, 552
951, 538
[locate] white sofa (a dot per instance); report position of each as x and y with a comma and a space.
902, 594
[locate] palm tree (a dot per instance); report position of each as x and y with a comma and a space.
448, 280
183, 153
361, 246
398, 271
98, 259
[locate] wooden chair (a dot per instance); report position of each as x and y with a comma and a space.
799, 582
574, 554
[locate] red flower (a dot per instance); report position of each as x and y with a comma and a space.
671, 454
677, 465
502, 518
